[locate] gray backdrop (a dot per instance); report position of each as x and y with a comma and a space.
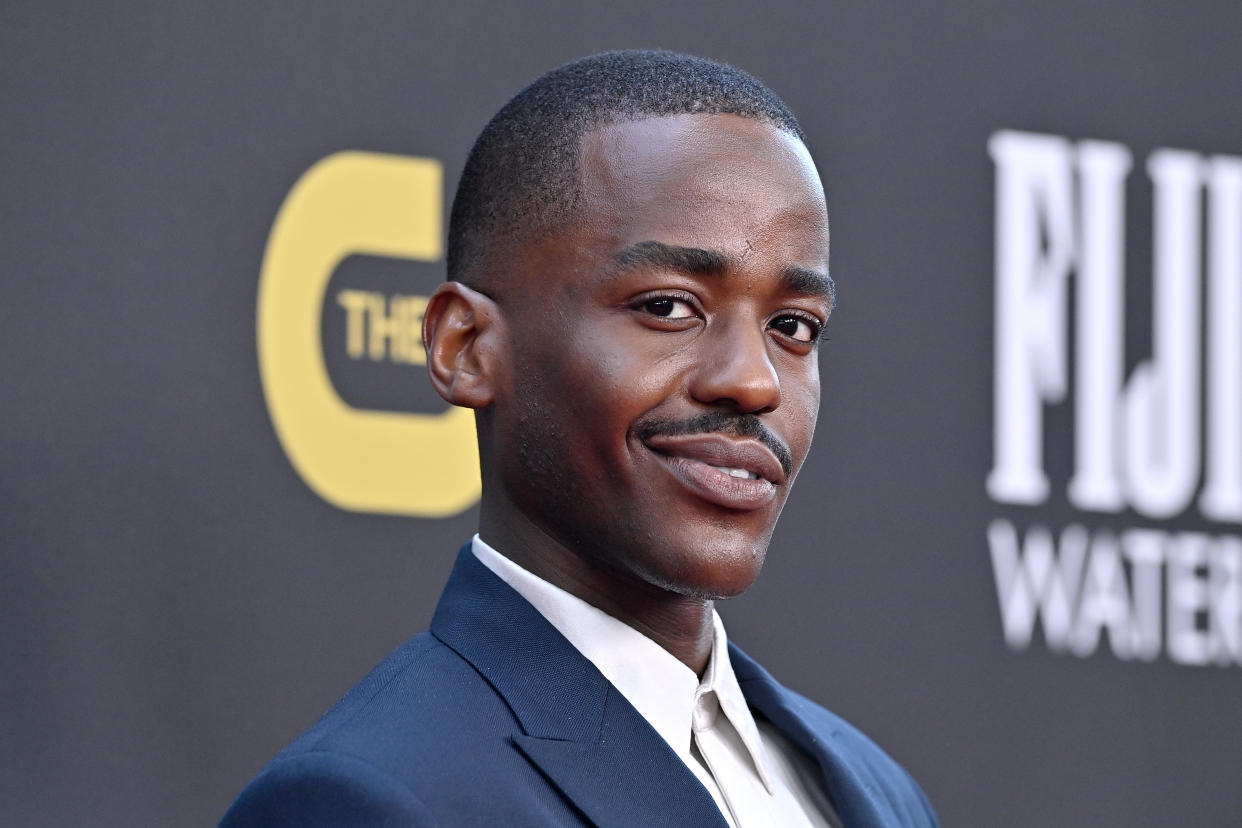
176, 603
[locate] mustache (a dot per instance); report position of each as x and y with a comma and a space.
718, 422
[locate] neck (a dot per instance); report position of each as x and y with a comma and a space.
680, 624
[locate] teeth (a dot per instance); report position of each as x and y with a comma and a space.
742, 474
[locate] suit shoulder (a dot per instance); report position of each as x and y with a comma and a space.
424, 709
411, 656
325, 789
421, 735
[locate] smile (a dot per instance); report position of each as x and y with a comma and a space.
739, 474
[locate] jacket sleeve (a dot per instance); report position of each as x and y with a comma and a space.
320, 789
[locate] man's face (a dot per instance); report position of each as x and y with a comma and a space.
663, 383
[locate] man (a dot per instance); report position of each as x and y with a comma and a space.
638, 265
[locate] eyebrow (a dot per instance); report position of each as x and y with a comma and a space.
656, 254
806, 282
699, 262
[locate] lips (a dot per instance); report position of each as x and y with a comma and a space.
727, 471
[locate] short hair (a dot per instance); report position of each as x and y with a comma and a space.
522, 175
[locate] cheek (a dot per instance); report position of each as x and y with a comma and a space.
573, 397
801, 404
611, 373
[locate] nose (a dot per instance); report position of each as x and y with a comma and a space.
735, 370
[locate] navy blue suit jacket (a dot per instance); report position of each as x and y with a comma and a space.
493, 718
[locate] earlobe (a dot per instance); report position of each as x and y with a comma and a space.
458, 328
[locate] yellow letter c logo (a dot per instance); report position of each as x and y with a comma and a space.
366, 461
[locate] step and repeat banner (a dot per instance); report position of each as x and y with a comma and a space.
1014, 556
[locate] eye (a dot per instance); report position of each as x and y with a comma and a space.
798, 328
668, 307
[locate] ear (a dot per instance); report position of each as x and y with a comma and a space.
461, 331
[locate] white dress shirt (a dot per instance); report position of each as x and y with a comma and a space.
756, 776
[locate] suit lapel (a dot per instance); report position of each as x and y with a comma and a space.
629, 777
590, 742
858, 776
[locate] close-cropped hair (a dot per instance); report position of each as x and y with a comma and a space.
522, 175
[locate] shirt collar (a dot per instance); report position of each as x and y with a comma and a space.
662, 689
720, 679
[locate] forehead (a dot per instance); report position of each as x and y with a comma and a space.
713, 180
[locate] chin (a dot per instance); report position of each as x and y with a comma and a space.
714, 569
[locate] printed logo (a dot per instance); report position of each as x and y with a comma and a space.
1143, 445
339, 342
